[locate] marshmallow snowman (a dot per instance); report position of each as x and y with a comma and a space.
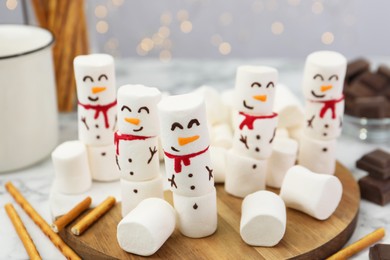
185, 140
96, 93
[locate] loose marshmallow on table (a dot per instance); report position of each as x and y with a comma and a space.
283, 157
72, 173
323, 76
197, 216
263, 219
102, 163
255, 89
244, 175
317, 195
138, 159
317, 155
281, 133
133, 192
254, 138
296, 132
96, 93
218, 161
288, 107
146, 228
221, 135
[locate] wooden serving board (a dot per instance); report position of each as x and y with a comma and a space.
305, 238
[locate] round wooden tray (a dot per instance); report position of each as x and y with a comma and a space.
305, 238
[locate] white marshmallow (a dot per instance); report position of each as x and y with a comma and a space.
281, 133
228, 98
263, 219
72, 173
255, 89
197, 216
326, 127
288, 107
137, 110
102, 163
183, 124
323, 76
138, 159
216, 110
193, 180
133, 192
160, 149
296, 132
222, 135
256, 142
218, 161
146, 228
317, 155
244, 175
317, 195
284, 155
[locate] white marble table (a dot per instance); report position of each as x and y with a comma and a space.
176, 77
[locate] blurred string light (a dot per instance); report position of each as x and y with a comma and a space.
182, 15
327, 38
117, 2
294, 2
317, 7
166, 18
216, 40
257, 6
277, 28
101, 11
225, 19
11, 4
225, 48
102, 27
186, 26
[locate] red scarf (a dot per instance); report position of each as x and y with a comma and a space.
329, 104
118, 136
249, 119
185, 159
100, 109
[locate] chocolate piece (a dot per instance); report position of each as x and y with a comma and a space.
384, 70
380, 252
375, 190
370, 107
355, 68
375, 81
359, 89
376, 163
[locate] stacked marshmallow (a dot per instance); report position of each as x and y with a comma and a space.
254, 131
137, 145
96, 92
185, 140
323, 81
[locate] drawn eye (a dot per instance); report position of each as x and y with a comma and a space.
143, 108
192, 122
256, 84
270, 84
125, 107
103, 76
334, 76
318, 76
88, 78
176, 125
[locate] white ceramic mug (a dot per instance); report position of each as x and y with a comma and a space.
28, 104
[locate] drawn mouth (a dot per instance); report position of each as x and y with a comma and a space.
245, 105
317, 96
174, 149
139, 129
93, 99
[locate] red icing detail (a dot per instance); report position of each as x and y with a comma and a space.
249, 119
185, 159
329, 104
100, 109
118, 136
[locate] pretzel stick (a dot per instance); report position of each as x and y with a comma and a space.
40, 222
359, 245
93, 216
22, 232
60, 223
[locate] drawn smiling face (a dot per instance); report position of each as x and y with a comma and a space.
95, 79
324, 74
255, 89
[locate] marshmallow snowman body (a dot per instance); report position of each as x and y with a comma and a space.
96, 93
102, 163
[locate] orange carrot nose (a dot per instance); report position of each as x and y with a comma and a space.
326, 88
131, 120
186, 140
262, 98
98, 89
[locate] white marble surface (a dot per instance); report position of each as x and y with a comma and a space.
176, 77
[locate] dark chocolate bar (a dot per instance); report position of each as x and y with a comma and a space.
375, 81
376, 163
355, 68
375, 190
380, 252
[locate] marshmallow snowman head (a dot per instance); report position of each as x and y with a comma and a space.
255, 89
137, 110
95, 79
183, 124
323, 76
